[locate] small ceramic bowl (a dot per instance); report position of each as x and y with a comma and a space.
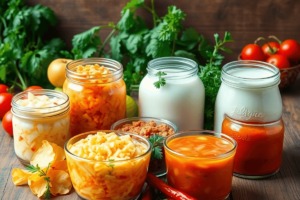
287, 75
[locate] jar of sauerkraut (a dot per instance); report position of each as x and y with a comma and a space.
97, 94
39, 115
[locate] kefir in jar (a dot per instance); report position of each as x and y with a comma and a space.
39, 115
180, 100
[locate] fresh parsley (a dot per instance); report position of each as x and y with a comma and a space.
24, 53
157, 144
34, 169
161, 81
111, 164
210, 74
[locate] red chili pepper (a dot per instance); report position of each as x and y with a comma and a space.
166, 189
147, 193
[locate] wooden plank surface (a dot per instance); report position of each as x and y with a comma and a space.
246, 20
285, 185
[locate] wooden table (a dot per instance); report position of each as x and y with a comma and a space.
285, 185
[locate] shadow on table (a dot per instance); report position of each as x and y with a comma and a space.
244, 191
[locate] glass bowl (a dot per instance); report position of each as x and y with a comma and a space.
157, 166
108, 180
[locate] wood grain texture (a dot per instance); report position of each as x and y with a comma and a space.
246, 20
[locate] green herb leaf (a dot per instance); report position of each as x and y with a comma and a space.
161, 81
133, 4
127, 21
185, 54
47, 194
189, 38
81, 40
158, 49
33, 169
115, 44
157, 143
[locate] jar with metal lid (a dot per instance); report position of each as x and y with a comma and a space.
97, 94
34, 121
180, 100
249, 93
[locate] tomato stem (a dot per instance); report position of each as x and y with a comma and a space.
271, 50
275, 38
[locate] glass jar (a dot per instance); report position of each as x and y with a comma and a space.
249, 93
259, 152
201, 176
108, 180
156, 166
181, 100
33, 125
96, 102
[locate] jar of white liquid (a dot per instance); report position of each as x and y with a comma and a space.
181, 100
249, 93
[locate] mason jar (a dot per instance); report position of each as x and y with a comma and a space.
249, 93
96, 101
180, 100
260, 145
32, 125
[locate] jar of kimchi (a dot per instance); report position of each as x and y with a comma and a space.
97, 94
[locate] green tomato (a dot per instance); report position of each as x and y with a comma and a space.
132, 109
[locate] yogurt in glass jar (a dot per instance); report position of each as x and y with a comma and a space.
180, 100
249, 93
39, 115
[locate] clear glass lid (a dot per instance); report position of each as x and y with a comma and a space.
250, 74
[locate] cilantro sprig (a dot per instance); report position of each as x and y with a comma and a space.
161, 81
35, 169
210, 74
157, 143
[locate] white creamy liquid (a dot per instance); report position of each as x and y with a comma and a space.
180, 101
256, 101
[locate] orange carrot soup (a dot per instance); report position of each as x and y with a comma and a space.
200, 163
259, 152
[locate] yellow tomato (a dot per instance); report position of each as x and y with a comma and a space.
57, 71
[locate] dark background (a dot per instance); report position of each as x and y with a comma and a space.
246, 20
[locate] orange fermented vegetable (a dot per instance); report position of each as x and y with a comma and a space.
95, 104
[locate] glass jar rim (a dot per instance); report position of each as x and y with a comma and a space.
250, 83
115, 70
33, 113
131, 119
254, 124
185, 67
198, 133
119, 133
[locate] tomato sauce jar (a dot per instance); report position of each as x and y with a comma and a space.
259, 152
200, 163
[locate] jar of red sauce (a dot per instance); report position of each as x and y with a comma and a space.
259, 152
200, 163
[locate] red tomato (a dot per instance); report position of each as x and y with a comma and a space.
279, 61
266, 49
34, 87
290, 49
5, 103
3, 88
7, 123
253, 52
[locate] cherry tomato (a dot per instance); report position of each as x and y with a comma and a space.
290, 49
7, 123
268, 52
253, 52
279, 61
34, 87
5, 103
3, 88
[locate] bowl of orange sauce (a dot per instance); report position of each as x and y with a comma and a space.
200, 163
